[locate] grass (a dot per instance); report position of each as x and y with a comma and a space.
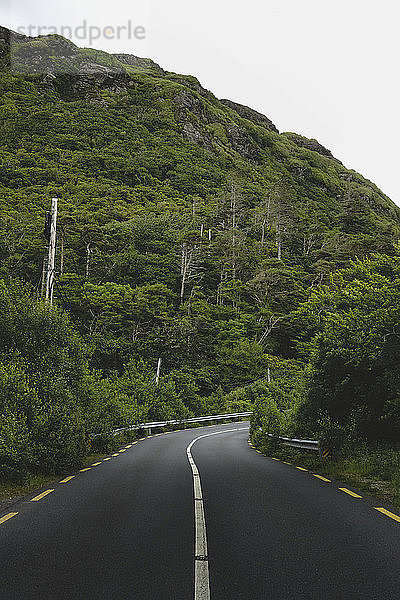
374, 470
11, 492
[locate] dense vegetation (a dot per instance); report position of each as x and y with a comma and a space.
189, 229
349, 341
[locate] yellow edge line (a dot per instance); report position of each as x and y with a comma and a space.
109, 458
346, 491
301, 469
387, 513
67, 479
322, 478
95, 464
42, 495
83, 470
116, 454
6, 517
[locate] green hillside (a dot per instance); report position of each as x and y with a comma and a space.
189, 229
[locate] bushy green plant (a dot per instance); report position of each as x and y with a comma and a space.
59, 440
354, 349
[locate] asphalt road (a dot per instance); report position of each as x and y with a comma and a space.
125, 529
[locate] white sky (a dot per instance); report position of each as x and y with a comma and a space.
325, 69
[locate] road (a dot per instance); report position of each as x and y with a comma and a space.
125, 529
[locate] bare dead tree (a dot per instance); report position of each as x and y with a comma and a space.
271, 325
189, 265
89, 251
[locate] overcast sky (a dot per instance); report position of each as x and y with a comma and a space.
327, 70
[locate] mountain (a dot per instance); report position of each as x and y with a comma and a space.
189, 227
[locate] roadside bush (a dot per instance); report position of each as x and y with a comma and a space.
18, 407
352, 341
59, 440
16, 456
42, 364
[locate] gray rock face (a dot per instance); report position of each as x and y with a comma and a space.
242, 142
191, 114
310, 144
88, 85
194, 134
251, 115
141, 64
185, 103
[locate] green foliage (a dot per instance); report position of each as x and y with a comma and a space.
276, 401
189, 229
353, 343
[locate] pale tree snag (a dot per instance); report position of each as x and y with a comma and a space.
279, 237
89, 251
188, 265
272, 324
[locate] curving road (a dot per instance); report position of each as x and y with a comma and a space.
126, 529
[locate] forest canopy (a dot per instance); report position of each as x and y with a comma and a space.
191, 230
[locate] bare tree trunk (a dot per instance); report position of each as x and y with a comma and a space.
183, 271
88, 253
221, 279
263, 232
186, 267
183, 258
279, 238
272, 324
135, 332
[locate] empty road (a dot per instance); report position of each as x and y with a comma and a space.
168, 519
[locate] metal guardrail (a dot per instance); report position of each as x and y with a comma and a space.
157, 424
295, 443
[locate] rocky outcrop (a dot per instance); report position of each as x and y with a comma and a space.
88, 85
251, 115
242, 142
144, 65
310, 144
55, 54
187, 103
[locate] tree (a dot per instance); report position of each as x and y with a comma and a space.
354, 374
